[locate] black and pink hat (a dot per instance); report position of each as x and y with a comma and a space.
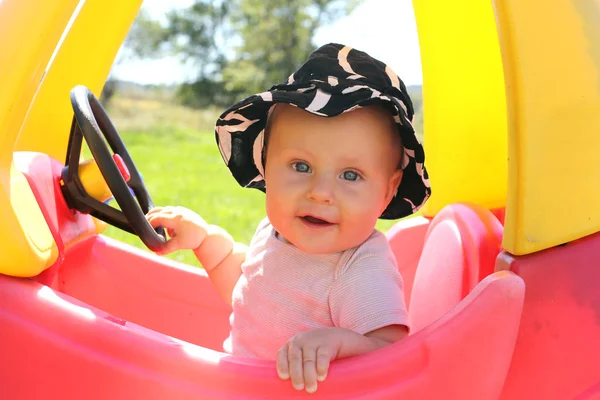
335, 79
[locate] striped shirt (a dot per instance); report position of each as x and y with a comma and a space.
284, 291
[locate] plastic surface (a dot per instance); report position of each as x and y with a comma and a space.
553, 90
94, 354
85, 57
122, 167
22, 61
461, 246
463, 102
558, 347
406, 238
43, 174
92, 180
110, 318
26, 243
28, 36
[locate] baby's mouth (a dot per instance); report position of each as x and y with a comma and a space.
315, 220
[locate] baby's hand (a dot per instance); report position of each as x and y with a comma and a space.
185, 228
305, 357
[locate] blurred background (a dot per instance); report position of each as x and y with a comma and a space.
185, 61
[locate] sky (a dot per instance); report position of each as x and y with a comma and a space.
383, 28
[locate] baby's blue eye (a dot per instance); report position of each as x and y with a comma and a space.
350, 176
301, 167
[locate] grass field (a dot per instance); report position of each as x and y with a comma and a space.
181, 165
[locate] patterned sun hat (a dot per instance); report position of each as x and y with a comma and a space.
335, 79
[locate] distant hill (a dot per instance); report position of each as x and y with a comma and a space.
130, 89
135, 90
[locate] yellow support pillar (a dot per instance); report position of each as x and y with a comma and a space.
85, 58
464, 103
551, 54
29, 34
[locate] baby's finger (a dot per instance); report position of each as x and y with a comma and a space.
171, 246
295, 366
283, 370
323, 360
168, 210
157, 220
153, 211
309, 364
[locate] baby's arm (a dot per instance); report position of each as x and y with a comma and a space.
214, 248
222, 258
306, 357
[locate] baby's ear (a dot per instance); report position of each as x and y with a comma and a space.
393, 184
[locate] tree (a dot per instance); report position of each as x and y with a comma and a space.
238, 47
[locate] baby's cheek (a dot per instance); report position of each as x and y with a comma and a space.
360, 221
364, 209
278, 208
272, 204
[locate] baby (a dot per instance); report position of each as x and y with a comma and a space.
317, 282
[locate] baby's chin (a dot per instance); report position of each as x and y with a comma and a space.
326, 242
322, 247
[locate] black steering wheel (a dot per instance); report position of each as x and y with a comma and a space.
92, 123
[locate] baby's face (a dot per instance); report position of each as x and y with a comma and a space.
329, 179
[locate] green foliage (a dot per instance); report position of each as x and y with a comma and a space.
416, 95
205, 92
146, 38
239, 47
275, 40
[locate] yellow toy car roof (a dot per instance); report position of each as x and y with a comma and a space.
514, 87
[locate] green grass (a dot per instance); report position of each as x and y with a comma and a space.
182, 167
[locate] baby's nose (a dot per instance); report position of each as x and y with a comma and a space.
321, 191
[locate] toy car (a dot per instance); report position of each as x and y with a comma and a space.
501, 271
